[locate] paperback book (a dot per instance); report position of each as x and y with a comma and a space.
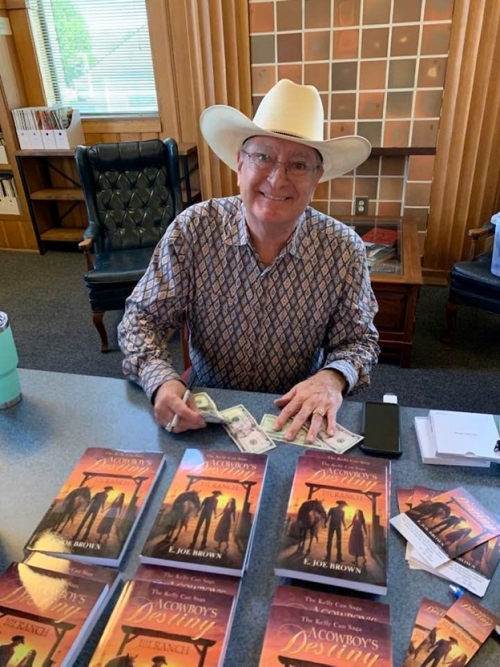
458, 635
446, 526
344, 606
94, 514
205, 581
297, 637
207, 518
171, 624
45, 617
336, 527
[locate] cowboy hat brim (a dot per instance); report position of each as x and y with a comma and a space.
226, 129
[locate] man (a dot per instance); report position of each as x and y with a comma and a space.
335, 520
96, 505
439, 652
276, 295
7, 650
159, 660
207, 510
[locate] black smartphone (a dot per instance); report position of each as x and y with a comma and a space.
381, 429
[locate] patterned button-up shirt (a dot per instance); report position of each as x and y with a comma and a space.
252, 327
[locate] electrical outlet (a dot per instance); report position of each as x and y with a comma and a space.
361, 205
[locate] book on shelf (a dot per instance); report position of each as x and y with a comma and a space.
428, 448
457, 636
181, 625
381, 236
465, 434
208, 515
298, 636
93, 517
335, 530
423, 636
446, 526
46, 616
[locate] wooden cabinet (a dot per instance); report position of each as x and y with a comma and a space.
55, 198
396, 284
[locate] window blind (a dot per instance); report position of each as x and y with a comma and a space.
95, 55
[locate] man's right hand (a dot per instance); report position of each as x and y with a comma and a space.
168, 403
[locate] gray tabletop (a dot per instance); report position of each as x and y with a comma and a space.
61, 415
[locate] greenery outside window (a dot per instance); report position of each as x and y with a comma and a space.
95, 55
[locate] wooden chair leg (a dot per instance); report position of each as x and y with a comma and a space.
451, 322
97, 319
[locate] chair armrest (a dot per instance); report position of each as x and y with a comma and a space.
486, 230
86, 245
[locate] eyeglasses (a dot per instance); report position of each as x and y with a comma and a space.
265, 164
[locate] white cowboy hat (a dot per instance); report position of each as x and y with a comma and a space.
289, 111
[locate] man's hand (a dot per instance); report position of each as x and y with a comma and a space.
168, 402
318, 398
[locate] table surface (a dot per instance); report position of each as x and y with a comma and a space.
61, 415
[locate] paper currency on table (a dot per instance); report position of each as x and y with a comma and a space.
208, 409
245, 431
341, 440
267, 423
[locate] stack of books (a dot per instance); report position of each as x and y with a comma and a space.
337, 521
313, 628
208, 516
166, 616
380, 244
448, 635
452, 438
450, 534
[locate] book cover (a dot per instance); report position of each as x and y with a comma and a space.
302, 638
336, 525
428, 614
185, 627
331, 603
459, 634
447, 526
93, 516
428, 450
467, 434
208, 515
46, 616
381, 235
206, 581
404, 499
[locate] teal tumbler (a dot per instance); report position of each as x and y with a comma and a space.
10, 389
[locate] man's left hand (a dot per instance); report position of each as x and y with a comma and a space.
318, 398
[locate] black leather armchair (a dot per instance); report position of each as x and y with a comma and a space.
132, 193
472, 283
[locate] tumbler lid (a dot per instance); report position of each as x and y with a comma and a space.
4, 321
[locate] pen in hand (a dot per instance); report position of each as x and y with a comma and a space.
192, 379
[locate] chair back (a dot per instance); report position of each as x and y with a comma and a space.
132, 191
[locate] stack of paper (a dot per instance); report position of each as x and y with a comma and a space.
457, 438
450, 534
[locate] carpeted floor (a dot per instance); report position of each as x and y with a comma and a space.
48, 308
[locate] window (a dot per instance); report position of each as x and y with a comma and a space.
95, 55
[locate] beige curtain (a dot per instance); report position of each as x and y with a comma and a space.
465, 190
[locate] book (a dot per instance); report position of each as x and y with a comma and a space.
45, 617
428, 614
381, 236
447, 526
345, 606
95, 512
153, 620
297, 637
465, 434
207, 518
428, 448
336, 527
377, 254
206, 581
458, 635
